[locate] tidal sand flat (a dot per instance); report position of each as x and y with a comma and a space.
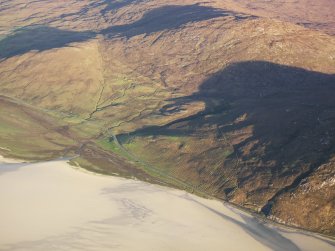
53, 206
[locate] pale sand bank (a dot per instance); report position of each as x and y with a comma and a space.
52, 206
9, 161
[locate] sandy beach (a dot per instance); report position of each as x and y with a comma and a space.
54, 206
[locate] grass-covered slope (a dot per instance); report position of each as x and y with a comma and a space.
27, 133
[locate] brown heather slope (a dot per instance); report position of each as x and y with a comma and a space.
233, 104
319, 15
100, 14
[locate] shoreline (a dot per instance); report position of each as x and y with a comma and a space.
261, 219
128, 206
234, 207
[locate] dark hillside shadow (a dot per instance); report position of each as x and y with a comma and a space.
43, 38
167, 18
39, 38
113, 5
291, 111
106, 6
